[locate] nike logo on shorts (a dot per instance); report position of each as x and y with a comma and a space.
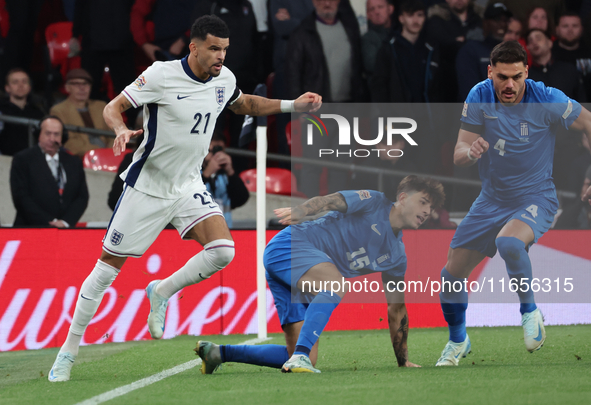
178, 97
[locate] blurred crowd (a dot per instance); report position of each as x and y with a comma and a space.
348, 51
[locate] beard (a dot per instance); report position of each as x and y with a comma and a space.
570, 43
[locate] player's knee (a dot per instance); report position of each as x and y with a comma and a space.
220, 253
510, 248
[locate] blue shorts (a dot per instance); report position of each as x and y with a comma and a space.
485, 220
285, 263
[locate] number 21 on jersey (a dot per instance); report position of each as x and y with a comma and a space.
197, 127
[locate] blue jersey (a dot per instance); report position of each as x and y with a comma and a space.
521, 139
360, 241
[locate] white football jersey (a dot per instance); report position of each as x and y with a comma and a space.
180, 113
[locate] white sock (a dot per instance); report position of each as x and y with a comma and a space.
215, 256
91, 294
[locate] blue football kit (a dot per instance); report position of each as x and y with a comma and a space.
359, 241
516, 171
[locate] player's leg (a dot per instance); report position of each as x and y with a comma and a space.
130, 233
91, 294
511, 244
277, 261
217, 253
525, 227
317, 280
292, 333
454, 302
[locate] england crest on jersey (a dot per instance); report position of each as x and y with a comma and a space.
220, 95
116, 237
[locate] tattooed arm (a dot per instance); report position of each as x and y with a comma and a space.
247, 104
397, 321
331, 202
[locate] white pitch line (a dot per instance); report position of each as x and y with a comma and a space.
117, 392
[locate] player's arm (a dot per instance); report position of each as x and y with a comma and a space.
583, 123
331, 202
469, 148
397, 320
247, 104
112, 115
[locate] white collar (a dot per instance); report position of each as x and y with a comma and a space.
55, 157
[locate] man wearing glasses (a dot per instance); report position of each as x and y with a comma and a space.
78, 109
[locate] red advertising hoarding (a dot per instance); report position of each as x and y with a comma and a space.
41, 271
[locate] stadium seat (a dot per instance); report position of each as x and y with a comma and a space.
58, 37
103, 159
4, 21
279, 181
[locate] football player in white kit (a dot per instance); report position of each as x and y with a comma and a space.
182, 100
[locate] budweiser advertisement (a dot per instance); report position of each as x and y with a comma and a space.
41, 272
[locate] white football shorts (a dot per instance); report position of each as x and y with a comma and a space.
139, 218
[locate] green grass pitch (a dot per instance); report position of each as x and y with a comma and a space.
357, 368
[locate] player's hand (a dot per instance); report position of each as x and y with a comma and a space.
587, 196
409, 364
479, 146
122, 138
289, 216
308, 102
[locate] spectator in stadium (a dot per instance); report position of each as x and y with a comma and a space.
538, 17
101, 29
514, 30
324, 56
379, 23
449, 26
553, 73
171, 23
78, 109
405, 67
569, 47
577, 215
286, 16
473, 59
221, 180
310, 251
48, 185
14, 137
565, 77
23, 16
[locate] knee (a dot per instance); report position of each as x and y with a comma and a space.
510, 248
220, 252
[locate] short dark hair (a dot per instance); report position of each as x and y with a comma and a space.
17, 70
209, 24
569, 14
431, 187
411, 6
546, 33
508, 52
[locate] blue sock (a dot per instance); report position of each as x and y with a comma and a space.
454, 305
263, 355
316, 318
513, 252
